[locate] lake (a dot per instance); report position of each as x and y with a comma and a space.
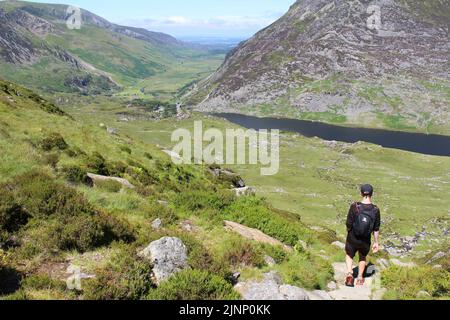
437, 145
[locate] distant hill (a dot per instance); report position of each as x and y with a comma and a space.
321, 61
38, 50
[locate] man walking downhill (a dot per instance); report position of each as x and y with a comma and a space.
363, 220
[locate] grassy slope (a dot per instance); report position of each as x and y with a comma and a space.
24, 126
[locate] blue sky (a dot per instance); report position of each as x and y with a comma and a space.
220, 18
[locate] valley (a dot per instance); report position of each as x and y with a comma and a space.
88, 187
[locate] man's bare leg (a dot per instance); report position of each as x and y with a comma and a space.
362, 268
349, 262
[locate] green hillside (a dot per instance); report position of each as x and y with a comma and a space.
100, 58
51, 216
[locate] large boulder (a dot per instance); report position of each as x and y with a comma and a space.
168, 256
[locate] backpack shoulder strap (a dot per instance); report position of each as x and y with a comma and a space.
358, 208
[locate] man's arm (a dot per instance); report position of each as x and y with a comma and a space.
376, 233
350, 219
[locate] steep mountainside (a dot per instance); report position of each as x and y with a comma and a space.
324, 60
37, 49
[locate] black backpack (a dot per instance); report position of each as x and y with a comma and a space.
364, 221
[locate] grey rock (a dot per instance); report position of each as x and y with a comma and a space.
383, 264
332, 286
168, 256
438, 266
157, 224
163, 203
437, 256
293, 293
270, 289
319, 295
270, 261
339, 245
112, 131
399, 263
423, 295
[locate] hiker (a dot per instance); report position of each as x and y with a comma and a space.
363, 219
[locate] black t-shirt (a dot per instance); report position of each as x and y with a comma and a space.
354, 211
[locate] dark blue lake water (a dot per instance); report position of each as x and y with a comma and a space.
416, 142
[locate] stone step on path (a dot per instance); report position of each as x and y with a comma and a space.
371, 290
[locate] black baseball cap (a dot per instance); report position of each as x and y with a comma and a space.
367, 190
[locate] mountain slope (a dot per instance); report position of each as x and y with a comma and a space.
38, 50
321, 60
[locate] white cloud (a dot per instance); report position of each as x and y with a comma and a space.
228, 25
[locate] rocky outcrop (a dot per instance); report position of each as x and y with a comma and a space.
14, 46
167, 256
31, 23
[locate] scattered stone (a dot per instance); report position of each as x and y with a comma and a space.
157, 224
438, 266
188, 226
437, 256
95, 178
112, 131
238, 182
163, 203
423, 295
293, 293
255, 235
398, 263
331, 144
245, 191
303, 244
270, 261
339, 244
332, 286
168, 256
383, 264
319, 295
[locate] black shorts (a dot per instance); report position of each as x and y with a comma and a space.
354, 246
